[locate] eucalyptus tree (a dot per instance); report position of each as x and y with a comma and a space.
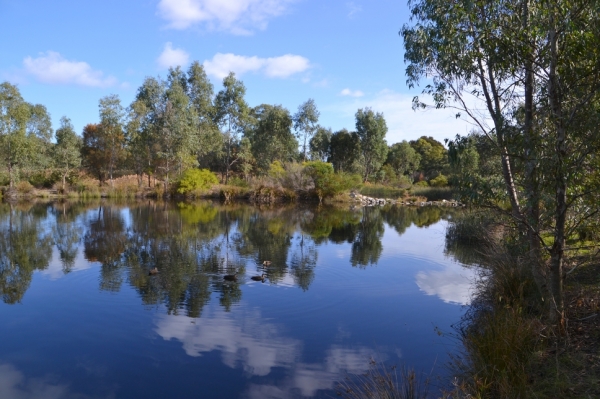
371, 130
67, 150
271, 137
39, 133
231, 114
201, 94
143, 126
319, 144
403, 158
176, 137
344, 152
17, 130
497, 60
433, 156
112, 119
306, 123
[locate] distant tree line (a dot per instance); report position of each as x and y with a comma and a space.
179, 123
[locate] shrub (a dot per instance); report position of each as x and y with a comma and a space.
194, 179
327, 183
24, 187
421, 183
236, 181
439, 181
276, 170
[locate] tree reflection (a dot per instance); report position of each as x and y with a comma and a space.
24, 248
67, 235
367, 247
105, 242
192, 245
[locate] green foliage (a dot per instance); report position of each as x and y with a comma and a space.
439, 181
270, 136
344, 152
236, 181
371, 130
305, 123
276, 170
381, 191
196, 179
403, 158
434, 156
327, 183
432, 193
421, 183
319, 144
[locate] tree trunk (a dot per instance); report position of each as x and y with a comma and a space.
560, 180
532, 195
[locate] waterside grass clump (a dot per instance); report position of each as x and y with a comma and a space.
511, 349
383, 382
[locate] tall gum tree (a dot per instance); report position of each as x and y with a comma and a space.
67, 150
306, 123
231, 115
532, 67
371, 130
112, 118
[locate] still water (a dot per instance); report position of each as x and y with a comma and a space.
82, 318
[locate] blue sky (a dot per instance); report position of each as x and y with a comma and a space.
346, 55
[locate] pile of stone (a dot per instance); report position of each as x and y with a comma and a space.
370, 201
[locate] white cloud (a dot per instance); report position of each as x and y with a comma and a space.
51, 67
172, 57
350, 93
239, 17
274, 67
353, 9
403, 123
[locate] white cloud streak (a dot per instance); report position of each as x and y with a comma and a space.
53, 68
172, 57
275, 67
351, 93
403, 123
239, 17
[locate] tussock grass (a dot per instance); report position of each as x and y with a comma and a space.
433, 193
383, 382
380, 191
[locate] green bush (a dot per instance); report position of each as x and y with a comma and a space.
439, 181
236, 181
196, 179
421, 183
327, 183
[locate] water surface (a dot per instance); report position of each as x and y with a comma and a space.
82, 317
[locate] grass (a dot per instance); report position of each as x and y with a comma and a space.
382, 382
511, 350
433, 193
380, 191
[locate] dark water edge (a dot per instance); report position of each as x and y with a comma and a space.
83, 318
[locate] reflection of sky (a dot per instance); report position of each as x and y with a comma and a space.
257, 346
15, 385
452, 284
55, 271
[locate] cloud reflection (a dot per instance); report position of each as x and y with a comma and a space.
251, 343
14, 385
257, 346
452, 284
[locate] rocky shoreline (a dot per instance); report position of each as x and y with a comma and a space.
370, 201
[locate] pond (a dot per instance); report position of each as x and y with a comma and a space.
83, 317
